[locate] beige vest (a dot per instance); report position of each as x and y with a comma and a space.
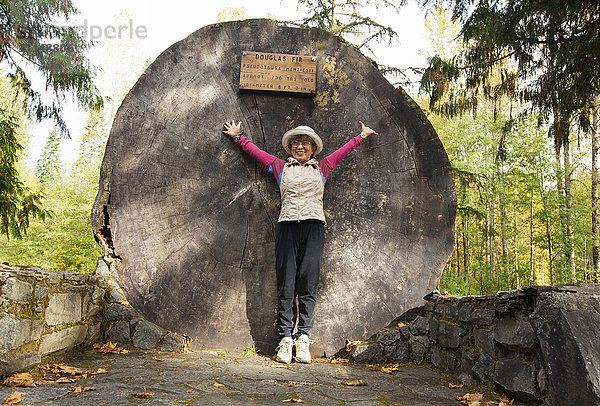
301, 191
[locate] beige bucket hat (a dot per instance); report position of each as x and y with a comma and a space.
302, 130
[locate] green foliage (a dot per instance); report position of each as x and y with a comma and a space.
65, 241
348, 19
49, 164
91, 149
249, 351
509, 232
540, 58
553, 49
35, 35
18, 204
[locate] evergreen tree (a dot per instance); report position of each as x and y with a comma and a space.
32, 39
91, 148
348, 19
17, 203
49, 165
546, 54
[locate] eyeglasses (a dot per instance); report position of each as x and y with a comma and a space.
296, 144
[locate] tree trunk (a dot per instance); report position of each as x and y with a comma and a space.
516, 248
466, 247
188, 218
457, 253
558, 145
490, 235
548, 233
595, 182
503, 238
531, 258
570, 241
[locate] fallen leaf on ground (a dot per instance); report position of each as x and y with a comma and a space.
64, 379
452, 386
14, 398
445, 293
218, 385
402, 324
124, 303
359, 382
293, 400
505, 401
66, 373
110, 348
374, 367
340, 361
66, 369
390, 368
22, 379
43, 382
470, 399
158, 359
190, 391
320, 361
350, 344
79, 389
62, 369
145, 395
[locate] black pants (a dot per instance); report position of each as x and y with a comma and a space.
298, 255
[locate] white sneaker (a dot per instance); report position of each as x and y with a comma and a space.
284, 350
302, 352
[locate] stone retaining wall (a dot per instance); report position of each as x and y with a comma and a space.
539, 344
43, 312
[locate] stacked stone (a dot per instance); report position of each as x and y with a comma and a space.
487, 338
395, 345
511, 339
124, 326
474, 337
43, 312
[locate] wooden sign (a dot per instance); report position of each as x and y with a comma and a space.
278, 72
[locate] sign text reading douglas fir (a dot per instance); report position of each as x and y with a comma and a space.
278, 72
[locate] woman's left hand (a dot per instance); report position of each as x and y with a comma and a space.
366, 131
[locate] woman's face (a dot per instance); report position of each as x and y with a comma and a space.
302, 148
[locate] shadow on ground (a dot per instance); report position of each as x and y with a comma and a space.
210, 378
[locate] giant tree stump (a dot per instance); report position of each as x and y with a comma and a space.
189, 218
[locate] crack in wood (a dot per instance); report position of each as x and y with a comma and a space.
245, 243
264, 200
262, 130
410, 152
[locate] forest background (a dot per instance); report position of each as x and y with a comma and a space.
526, 196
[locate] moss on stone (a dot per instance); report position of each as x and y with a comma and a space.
68, 325
445, 320
31, 346
472, 350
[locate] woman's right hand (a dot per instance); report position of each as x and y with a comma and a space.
232, 129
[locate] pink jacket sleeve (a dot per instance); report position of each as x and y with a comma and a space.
272, 163
328, 163
261, 156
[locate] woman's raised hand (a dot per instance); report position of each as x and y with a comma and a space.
232, 129
366, 131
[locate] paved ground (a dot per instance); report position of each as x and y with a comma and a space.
208, 378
